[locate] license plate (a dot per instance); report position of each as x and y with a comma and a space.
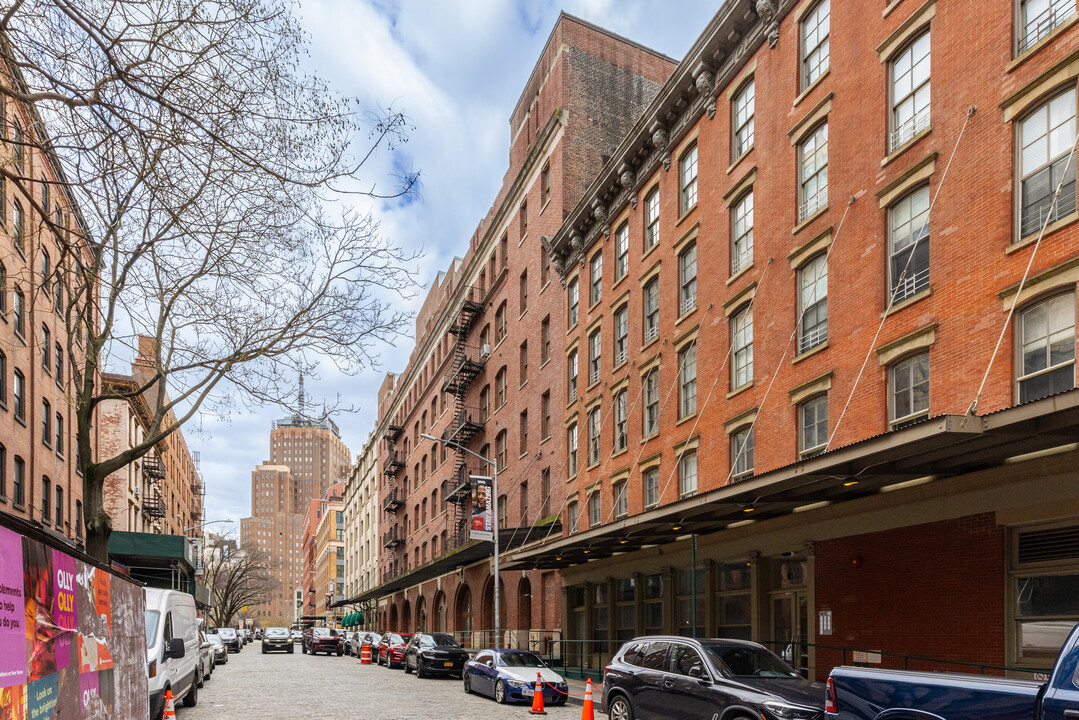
449, 664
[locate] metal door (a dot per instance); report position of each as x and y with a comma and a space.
790, 628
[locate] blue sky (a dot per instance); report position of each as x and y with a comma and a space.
456, 67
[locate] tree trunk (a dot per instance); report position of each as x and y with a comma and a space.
98, 522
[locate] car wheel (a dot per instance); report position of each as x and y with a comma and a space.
500, 692
303, 649
340, 653
467, 682
408, 668
291, 650
199, 682
264, 651
619, 708
192, 697
419, 669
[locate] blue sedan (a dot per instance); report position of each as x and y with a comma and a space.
510, 676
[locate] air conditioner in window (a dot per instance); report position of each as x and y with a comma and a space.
485, 351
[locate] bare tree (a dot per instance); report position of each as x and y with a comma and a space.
238, 580
223, 210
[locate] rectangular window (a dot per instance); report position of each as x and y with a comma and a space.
545, 184
524, 432
909, 381
571, 376
908, 261
651, 403
59, 508
621, 501
734, 600
621, 420
18, 483
59, 434
46, 500
1046, 137
687, 381
595, 509
621, 335
572, 518
651, 310
3, 472
500, 322
743, 119
485, 403
651, 487
595, 276
742, 233
46, 348
500, 450
813, 426
594, 424
742, 343
500, 388
78, 519
1046, 338
815, 30
651, 219
742, 452
524, 291
46, 422
813, 172
524, 218
621, 252
59, 365
574, 291
545, 268
20, 313
687, 280
687, 176
595, 346
3, 379
545, 404
19, 395
19, 228
571, 450
910, 92
524, 363
505, 243
687, 474
545, 339
813, 303
1039, 18
545, 489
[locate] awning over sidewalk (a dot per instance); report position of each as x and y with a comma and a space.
940, 447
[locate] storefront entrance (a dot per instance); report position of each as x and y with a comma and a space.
789, 615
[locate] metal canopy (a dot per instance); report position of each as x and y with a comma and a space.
944, 446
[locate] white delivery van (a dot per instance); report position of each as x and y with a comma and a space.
172, 648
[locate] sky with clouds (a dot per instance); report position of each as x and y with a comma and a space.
457, 68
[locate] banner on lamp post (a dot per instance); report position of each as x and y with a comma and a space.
482, 504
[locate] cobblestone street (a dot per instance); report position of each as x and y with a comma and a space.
278, 686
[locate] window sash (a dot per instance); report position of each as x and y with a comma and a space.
687, 474
594, 427
744, 118
908, 265
621, 335
621, 251
651, 403
813, 435
742, 330
813, 301
596, 279
651, 487
651, 219
813, 168
688, 381
687, 272
1040, 17
595, 509
574, 301
815, 42
742, 452
651, 310
910, 91
1039, 190
620, 421
742, 234
688, 178
594, 357
910, 389
621, 501
1047, 348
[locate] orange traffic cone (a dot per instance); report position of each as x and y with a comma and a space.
537, 697
170, 705
586, 711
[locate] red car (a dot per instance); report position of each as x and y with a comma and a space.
320, 639
391, 651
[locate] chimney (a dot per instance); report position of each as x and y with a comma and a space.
147, 356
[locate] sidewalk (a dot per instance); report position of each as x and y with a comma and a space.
576, 692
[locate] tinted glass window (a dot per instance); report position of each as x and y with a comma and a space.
684, 658
322, 632
483, 658
632, 653
445, 641
519, 660
655, 656
748, 661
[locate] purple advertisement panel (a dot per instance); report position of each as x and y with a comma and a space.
12, 634
63, 572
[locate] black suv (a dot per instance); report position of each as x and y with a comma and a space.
664, 678
276, 638
434, 654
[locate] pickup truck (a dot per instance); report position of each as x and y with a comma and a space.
871, 694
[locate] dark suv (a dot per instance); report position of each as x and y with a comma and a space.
434, 654
677, 677
319, 639
276, 638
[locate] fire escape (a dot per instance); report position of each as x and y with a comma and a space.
153, 473
394, 498
467, 422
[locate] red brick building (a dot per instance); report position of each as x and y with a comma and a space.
777, 427
486, 372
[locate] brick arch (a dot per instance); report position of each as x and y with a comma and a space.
464, 609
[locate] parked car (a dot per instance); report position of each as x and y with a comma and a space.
172, 648
370, 639
348, 641
206, 658
510, 676
277, 638
856, 693
434, 654
221, 653
320, 639
391, 648
231, 639
297, 636
678, 677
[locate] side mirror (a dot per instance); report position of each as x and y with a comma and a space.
175, 649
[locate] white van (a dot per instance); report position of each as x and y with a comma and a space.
172, 648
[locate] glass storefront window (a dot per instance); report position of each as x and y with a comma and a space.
685, 602
653, 604
734, 600
1047, 608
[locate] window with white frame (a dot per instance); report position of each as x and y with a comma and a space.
908, 382
742, 233
621, 500
815, 31
687, 474
742, 344
687, 176
594, 425
572, 517
651, 310
1038, 18
621, 420
571, 376
595, 276
621, 335
595, 509
571, 450
910, 91
813, 303
651, 486
595, 346
1046, 136
1046, 343
651, 403
651, 219
574, 293
687, 381
743, 118
908, 241
621, 252
687, 279
813, 172
742, 452
813, 426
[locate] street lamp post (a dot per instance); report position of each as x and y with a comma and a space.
494, 491
196, 527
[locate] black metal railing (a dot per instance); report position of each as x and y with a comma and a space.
394, 462
391, 538
392, 501
468, 363
471, 308
154, 508
152, 468
465, 425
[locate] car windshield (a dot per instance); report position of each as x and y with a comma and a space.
215, 640
277, 632
152, 616
438, 641
226, 633
519, 659
324, 632
748, 661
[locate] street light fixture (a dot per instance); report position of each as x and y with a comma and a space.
494, 490
196, 527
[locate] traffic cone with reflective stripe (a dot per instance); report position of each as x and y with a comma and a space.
586, 711
537, 697
170, 705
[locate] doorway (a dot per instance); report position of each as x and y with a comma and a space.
789, 612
